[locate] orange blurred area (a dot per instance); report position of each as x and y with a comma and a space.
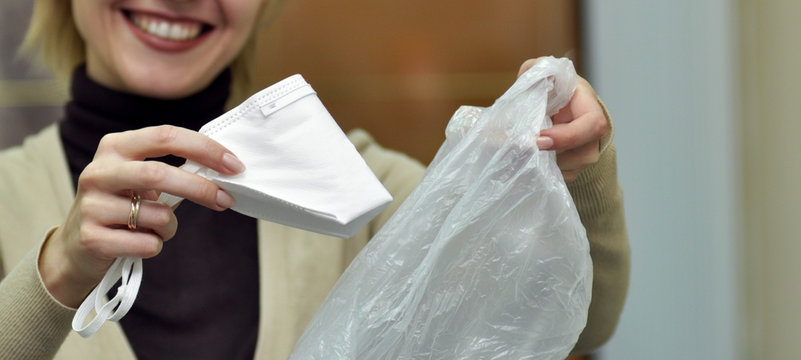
399, 69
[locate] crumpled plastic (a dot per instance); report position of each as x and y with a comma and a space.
486, 259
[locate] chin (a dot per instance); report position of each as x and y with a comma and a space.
160, 78
167, 88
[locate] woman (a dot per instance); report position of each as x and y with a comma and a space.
228, 286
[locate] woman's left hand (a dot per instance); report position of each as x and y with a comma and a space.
577, 129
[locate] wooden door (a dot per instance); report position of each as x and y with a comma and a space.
400, 68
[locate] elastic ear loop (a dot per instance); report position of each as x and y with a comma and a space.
129, 271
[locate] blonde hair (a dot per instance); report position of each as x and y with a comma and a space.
53, 41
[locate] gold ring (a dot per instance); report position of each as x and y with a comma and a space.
134, 214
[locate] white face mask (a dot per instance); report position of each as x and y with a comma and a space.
301, 171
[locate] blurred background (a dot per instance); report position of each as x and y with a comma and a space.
706, 104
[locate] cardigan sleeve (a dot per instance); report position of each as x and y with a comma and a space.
599, 201
33, 324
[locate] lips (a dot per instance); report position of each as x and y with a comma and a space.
167, 34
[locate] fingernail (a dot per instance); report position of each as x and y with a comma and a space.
232, 163
544, 142
224, 200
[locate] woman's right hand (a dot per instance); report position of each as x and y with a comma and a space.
77, 254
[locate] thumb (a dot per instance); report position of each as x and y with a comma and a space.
528, 64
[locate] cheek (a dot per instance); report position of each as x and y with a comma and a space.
85, 20
241, 18
241, 15
94, 21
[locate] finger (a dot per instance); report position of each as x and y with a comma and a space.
579, 158
155, 175
588, 128
114, 211
570, 175
110, 243
584, 101
148, 195
158, 218
528, 64
157, 141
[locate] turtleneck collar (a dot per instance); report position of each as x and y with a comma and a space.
120, 111
96, 110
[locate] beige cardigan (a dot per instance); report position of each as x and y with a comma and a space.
297, 268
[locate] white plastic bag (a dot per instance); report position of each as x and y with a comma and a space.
486, 259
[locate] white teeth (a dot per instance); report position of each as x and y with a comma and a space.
165, 29
152, 28
176, 32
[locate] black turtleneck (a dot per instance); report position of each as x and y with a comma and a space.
199, 297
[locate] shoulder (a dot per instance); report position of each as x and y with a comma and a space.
35, 192
398, 172
387, 164
36, 158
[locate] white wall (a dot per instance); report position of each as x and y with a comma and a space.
667, 71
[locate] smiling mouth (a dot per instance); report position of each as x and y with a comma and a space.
167, 29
